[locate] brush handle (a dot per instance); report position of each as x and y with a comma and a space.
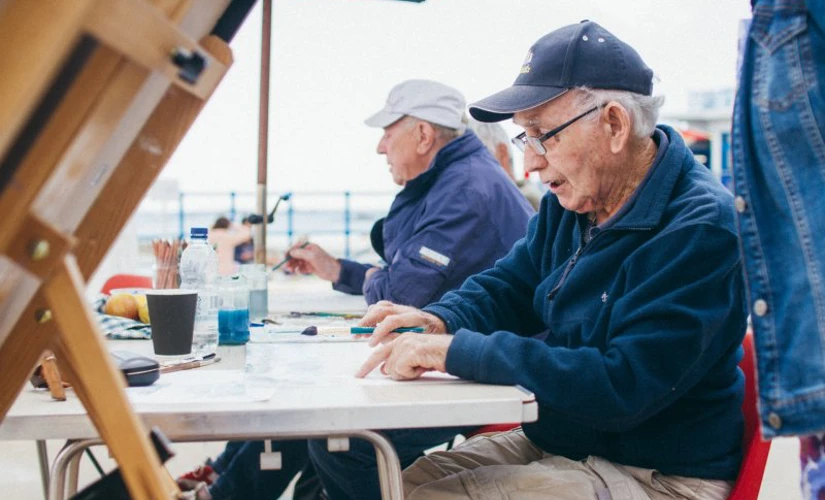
287, 259
367, 330
361, 330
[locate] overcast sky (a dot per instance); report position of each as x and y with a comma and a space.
334, 61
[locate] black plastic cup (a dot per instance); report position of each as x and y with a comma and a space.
172, 314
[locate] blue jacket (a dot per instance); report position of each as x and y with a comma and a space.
779, 170
631, 341
452, 221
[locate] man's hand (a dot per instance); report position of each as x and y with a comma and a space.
386, 317
312, 259
409, 356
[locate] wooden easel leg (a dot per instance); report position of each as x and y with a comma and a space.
52, 375
100, 386
23, 347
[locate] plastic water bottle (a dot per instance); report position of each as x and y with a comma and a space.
198, 271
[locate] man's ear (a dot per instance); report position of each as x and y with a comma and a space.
618, 125
503, 157
425, 136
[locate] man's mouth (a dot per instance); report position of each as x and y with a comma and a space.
553, 185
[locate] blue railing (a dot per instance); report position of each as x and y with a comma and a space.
347, 214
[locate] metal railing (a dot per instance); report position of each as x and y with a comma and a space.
344, 214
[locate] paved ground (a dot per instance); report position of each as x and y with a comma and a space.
21, 480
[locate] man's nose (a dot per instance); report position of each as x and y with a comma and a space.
382, 147
533, 161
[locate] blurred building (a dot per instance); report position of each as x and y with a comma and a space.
706, 128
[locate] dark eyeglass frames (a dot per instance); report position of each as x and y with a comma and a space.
522, 140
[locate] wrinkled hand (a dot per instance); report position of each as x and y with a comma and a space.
386, 317
409, 356
312, 259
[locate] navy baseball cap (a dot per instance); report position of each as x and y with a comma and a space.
583, 54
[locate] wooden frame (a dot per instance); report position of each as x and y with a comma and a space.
96, 95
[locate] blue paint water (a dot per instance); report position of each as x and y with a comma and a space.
233, 326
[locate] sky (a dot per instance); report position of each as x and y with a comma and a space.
334, 62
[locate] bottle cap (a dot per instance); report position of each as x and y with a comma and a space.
198, 232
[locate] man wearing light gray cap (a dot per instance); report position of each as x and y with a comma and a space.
453, 193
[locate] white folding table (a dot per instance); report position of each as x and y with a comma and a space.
313, 395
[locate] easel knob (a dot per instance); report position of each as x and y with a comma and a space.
43, 315
39, 249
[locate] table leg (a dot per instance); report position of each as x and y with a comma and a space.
43, 460
389, 467
74, 473
61, 462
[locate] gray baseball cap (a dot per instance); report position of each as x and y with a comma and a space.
423, 99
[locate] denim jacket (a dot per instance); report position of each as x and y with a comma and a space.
779, 170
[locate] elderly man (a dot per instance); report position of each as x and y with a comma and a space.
453, 194
622, 310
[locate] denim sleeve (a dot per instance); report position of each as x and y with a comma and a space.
351, 280
691, 292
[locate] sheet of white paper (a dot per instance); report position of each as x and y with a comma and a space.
199, 386
322, 365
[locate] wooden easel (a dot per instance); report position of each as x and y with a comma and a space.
94, 97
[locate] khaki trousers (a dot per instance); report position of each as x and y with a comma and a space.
508, 465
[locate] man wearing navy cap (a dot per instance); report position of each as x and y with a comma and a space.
622, 310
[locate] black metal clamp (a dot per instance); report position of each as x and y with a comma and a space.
191, 64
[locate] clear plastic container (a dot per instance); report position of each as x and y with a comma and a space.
233, 316
198, 271
256, 279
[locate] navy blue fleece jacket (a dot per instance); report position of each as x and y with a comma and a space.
630, 341
452, 221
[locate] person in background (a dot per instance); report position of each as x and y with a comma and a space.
622, 310
779, 178
456, 214
495, 139
225, 236
245, 251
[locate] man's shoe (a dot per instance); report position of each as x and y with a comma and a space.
203, 474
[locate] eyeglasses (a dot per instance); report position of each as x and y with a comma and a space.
522, 140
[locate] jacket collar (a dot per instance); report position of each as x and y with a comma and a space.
460, 147
647, 205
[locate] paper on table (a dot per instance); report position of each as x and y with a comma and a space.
321, 365
197, 386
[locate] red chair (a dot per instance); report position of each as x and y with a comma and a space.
755, 450
126, 281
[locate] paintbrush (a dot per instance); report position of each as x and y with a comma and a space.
353, 330
288, 258
299, 314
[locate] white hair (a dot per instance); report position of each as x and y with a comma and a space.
643, 109
445, 134
491, 135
